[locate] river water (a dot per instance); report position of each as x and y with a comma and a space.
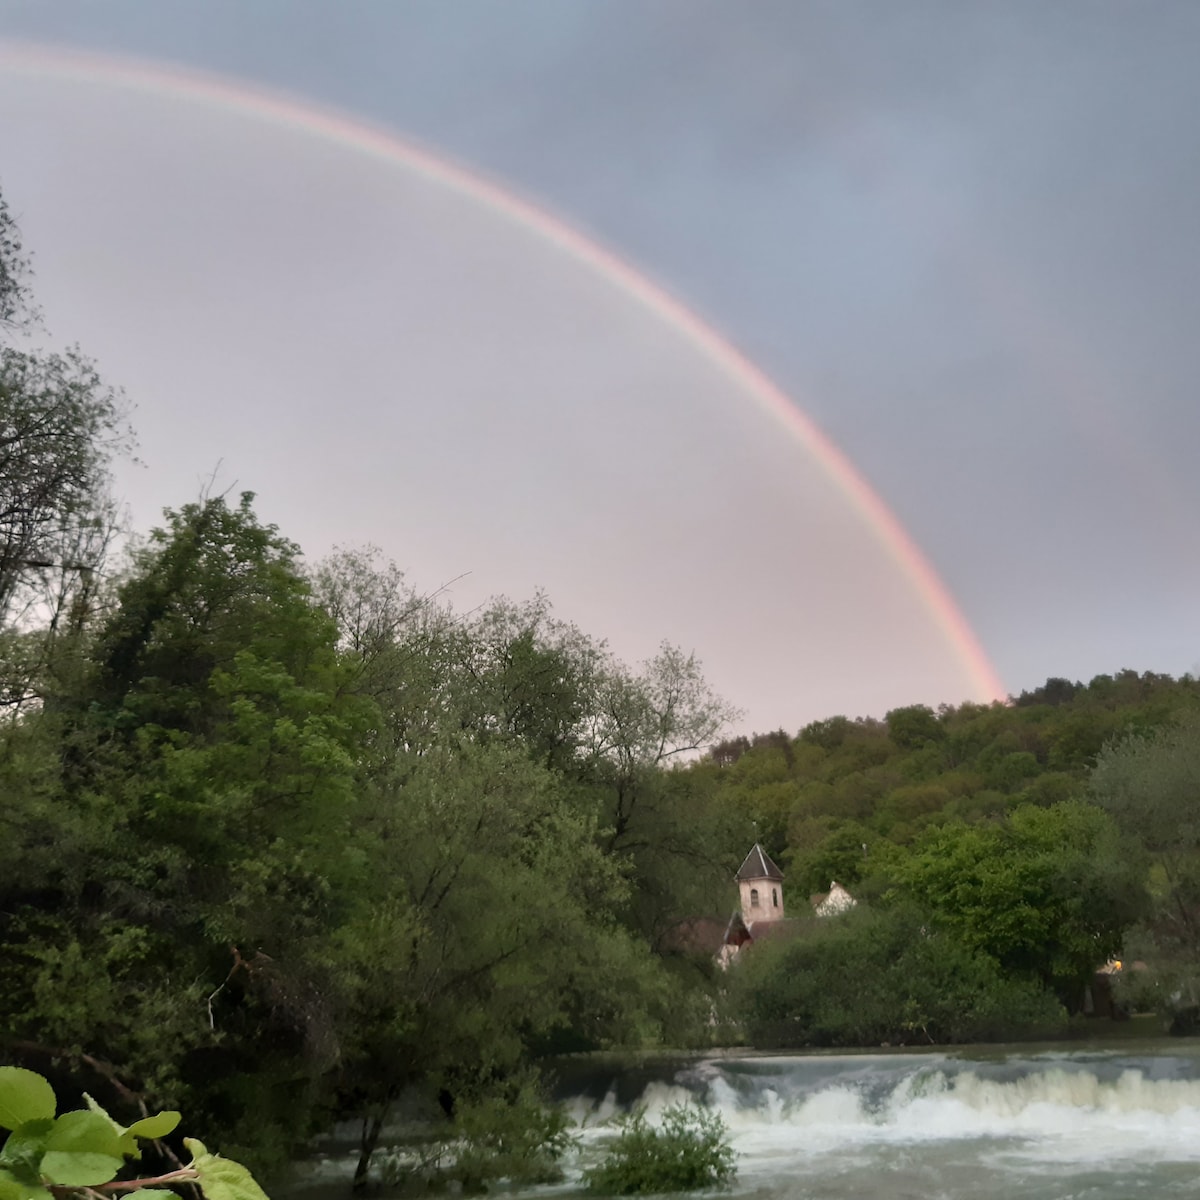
1016, 1124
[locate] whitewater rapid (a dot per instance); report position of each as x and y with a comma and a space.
1060, 1124
1019, 1123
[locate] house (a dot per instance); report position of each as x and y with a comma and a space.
830, 903
760, 884
760, 915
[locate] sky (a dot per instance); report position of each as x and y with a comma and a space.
962, 239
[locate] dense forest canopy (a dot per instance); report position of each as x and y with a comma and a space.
294, 840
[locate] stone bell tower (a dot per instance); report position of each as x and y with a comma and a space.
760, 882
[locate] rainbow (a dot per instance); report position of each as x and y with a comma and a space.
354, 133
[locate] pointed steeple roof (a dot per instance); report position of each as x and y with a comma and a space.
758, 865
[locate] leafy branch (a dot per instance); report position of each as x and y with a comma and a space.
75, 1155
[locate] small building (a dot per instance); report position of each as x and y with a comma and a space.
830, 903
760, 883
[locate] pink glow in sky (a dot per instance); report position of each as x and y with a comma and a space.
390, 350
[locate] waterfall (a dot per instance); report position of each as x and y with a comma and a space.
1052, 1124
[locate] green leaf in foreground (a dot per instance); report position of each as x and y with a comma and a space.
12, 1188
82, 1150
22, 1152
156, 1126
222, 1178
24, 1096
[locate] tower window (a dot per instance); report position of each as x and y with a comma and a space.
775, 897
754, 897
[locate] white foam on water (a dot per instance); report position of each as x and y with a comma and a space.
1048, 1117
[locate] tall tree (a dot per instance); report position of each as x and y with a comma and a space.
15, 302
1150, 783
207, 832
60, 427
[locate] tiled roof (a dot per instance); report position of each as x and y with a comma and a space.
761, 930
758, 865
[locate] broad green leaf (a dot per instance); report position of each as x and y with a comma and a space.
129, 1146
95, 1106
24, 1096
71, 1168
83, 1149
84, 1132
156, 1126
23, 1150
12, 1188
222, 1178
153, 1194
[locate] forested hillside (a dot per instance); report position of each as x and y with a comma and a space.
835, 801
992, 848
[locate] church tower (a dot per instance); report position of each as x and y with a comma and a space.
760, 882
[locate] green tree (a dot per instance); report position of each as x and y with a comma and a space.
1150, 783
1048, 893
15, 300
60, 428
207, 833
891, 976
915, 726
512, 931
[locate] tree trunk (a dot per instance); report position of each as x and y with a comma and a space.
372, 1127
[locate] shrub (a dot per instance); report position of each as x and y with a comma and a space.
521, 1139
689, 1151
512, 1133
872, 976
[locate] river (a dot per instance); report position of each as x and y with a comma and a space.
1022, 1124
1018, 1123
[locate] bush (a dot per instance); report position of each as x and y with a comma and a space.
512, 1133
520, 1139
689, 1151
870, 977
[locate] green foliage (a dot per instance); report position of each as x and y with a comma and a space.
24, 1096
914, 727
922, 768
842, 854
687, 1152
871, 977
522, 1141
14, 271
510, 1133
1048, 893
81, 1153
221, 1178
1149, 783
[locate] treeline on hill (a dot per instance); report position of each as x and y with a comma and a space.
280, 843
1000, 853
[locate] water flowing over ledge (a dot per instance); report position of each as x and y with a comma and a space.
1087, 1125
984, 1123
